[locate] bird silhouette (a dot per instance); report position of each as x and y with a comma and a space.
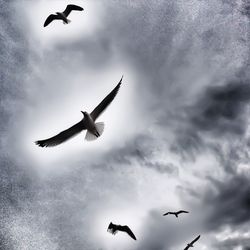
191, 244
176, 213
62, 15
94, 130
113, 228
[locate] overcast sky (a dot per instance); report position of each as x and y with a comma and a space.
176, 136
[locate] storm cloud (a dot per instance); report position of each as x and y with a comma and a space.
177, 136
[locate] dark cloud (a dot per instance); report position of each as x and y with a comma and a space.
246, 8
219, 113
188, 145
228, 201
221, 109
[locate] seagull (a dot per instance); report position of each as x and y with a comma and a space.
62, 15
176, 213
113, 228
191, 243
94, 130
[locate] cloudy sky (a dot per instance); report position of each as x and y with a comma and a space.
176, 137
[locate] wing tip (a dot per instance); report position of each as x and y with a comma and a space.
133, 236
121, 80
40, 144
77, 6
45, 23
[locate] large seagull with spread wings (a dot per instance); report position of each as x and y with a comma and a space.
94, 130
62, 15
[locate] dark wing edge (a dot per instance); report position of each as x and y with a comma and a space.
71, 7
50, 18
105, 102
129, 232
166, 214
62, 136
197, 238
183, 211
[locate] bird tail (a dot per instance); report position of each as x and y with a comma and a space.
68, 21
99, 128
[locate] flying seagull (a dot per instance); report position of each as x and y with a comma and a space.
176, 213
113, 228
191, 244
62, 15
94, 130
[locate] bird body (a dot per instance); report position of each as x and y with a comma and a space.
90, 125
94, 129
62, 15
176, 213
113, 228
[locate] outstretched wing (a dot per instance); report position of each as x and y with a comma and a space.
182, 211
128, 231
197, 238
166, 214
71, 7
186, 248
105, 102
62, 137
50, 18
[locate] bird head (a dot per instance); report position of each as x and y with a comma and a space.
84, 113
110, 227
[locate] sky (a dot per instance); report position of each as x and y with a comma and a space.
176, 136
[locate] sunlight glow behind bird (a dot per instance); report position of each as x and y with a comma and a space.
82, 23
44, 119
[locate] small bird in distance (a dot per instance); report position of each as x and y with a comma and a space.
191, 244
62, 15
176, 213
94, 130
113, 229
